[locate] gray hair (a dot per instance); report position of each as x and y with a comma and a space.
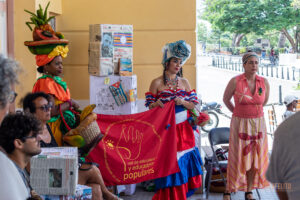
8, 76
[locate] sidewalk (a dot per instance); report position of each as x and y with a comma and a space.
265, 194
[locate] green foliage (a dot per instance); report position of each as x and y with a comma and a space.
280, 14
281, 50
202, 32
236, 16
243, 50
40, 18
296, 4
253, 16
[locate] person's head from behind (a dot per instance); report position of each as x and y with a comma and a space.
291, 102
20, 134
38, 104
8, 77
250, 62
54, 67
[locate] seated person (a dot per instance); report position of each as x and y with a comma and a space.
14, 187
291, 103
39, 105
20, 138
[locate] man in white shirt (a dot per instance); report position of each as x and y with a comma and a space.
12, 186
291, 103
284, 167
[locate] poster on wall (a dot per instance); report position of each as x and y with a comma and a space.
102, 96
109, 41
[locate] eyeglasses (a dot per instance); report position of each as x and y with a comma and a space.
46, 108
30, 137
12, 96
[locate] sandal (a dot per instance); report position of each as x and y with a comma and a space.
246, 194
226, 194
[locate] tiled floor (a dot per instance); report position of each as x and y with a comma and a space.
265, 194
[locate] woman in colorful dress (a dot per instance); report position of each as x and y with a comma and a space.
248, 145
50, 47
51, 83
171, 86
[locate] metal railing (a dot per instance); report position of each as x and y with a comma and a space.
268, 70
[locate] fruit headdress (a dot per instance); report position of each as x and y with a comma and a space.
46, 44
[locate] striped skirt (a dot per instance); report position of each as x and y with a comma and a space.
248, 147
183, 184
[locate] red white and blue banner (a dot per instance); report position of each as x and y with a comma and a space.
137, 147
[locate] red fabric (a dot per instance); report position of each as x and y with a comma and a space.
137, 147
253, 144
185, 136
42, 60
178, 192
202, 119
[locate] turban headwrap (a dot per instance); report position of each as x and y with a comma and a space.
44, 59
248, 55
179, 49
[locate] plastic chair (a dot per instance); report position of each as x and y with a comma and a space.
216, 136
272, 121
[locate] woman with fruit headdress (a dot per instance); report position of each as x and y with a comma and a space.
50, 48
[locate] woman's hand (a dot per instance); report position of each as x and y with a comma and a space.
186, 104
75, 104
155, 104
179, 101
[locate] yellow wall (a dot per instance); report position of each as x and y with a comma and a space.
54, 7
22, 33
22, 54
155, 23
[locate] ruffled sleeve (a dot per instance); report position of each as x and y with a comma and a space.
192, 97
150, 98
49, 86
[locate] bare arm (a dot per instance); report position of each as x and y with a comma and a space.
179, 101
228, 93
154, 89
267, 86
64, 106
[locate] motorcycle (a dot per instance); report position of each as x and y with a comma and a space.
212, 109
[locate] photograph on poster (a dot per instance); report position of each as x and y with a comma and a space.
55, 178
107, 45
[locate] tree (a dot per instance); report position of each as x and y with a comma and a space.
257, 16
236, 16
283, 16
202, 32
296, 4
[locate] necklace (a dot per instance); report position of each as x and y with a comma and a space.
172, 84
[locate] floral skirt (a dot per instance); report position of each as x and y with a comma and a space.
248, 149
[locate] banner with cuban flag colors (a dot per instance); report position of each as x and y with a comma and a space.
137, 147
